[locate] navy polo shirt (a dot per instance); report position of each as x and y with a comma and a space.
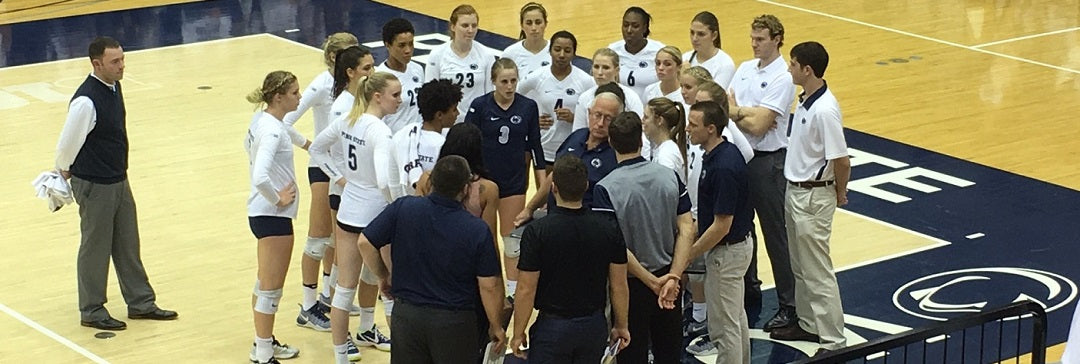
439, 250
724, 189
599, 161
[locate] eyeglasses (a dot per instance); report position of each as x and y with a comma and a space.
596, 115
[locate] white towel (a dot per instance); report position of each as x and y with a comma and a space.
407, 152
52, 187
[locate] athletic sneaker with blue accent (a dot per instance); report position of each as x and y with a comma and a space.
702, 346
695, 328
313, 318
351, 349
374, 338
281, 351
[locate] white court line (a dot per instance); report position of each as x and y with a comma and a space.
923, 37
293, 42
1025, 37
73, 346
83, 57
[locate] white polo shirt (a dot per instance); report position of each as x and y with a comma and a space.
817, 136
771, 88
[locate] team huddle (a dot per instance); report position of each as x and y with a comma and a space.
648, 173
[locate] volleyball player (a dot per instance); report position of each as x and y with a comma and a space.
318, 97
530, 52
665, 126
366, 142
668, 64
511, 125
463, 60
705, 37
416, 148
271, 206
636, 51
397, 35
606, 70
556, 89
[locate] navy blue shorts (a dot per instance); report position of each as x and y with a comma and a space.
512, 186
350, 228
265, 226
335, 202
316, 175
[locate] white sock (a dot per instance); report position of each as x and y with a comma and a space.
699, 311
326, 284
367, 319
264, 349
388, 307
309, 297
341, 354
511, 287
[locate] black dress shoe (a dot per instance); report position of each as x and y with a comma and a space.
157, 314
793, 333
784, 317
108, 323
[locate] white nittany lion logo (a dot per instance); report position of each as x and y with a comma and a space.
515, 119
596, 162
947, 295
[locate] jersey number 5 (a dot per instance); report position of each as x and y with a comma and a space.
352, 157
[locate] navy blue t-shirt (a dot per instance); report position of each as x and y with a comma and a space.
439, 250
507, 135
599, 161
724, 189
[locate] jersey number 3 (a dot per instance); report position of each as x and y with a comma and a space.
504, 134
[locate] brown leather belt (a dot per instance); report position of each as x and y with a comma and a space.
811, 184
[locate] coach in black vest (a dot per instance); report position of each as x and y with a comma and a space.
93, 152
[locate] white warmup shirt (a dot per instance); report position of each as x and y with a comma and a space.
368, 171
415, 151
528, 62
472, 73
550, 94
270, 160
318, 96
637, 70
720, 66
411, 80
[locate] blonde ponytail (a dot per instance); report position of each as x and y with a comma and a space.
365, 90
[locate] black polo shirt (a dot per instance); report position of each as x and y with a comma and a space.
439, 250
724, 189
572, 249
599, 161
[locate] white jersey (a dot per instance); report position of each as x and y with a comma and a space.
668, 155
771, 88
368, 171
339, 113
270, 161
415, 151
720, 66
318, 96
411, 80
472, 73
653, 91
550, 94
527, 62
581, 113
637, 70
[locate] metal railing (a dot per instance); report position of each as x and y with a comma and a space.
932, 344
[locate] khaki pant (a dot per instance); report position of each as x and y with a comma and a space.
729, 329
809, 215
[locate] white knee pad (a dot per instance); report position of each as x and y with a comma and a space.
368, 276
388, 306
266, 302
316, 247
343, 297
511, 246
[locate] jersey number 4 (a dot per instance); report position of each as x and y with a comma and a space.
465, 79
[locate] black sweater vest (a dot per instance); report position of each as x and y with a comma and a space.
104, 156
